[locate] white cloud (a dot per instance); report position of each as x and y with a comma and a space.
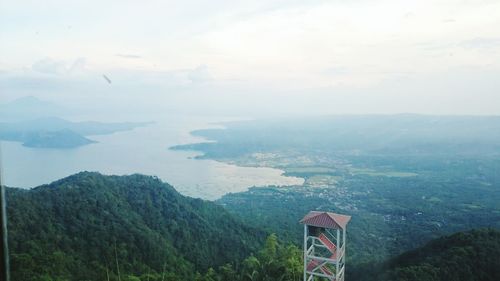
78, 66
59, 67
50, 66
199, 75
481, 43
272, 46
128, 56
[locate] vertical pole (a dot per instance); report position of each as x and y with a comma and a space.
345, 250
343, 243
4, 249
338, 255
305, 252
313, 247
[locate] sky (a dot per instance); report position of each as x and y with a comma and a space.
254, 58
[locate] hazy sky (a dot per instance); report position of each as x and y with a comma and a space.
255, 57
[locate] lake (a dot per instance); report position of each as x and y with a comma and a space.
142, 150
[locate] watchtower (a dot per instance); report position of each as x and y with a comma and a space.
324, 246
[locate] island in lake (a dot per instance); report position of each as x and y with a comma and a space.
54, 132
38, 124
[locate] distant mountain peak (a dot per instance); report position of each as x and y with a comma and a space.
30, 107
29, 101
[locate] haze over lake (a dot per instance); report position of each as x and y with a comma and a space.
142, 150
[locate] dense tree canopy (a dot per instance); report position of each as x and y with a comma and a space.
467, 256
89, 225
136, 228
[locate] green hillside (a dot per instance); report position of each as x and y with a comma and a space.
72, 228
464, 256
136, 228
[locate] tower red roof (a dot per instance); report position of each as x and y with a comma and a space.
326, 219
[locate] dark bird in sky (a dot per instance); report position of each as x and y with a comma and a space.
107, 79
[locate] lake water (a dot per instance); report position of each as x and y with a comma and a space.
142, 150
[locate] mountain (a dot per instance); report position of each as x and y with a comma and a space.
84, 128
405, 179
55, 139
29, 107
355, 135
88, 225
135, 228
464, 256
31, 121
54, 132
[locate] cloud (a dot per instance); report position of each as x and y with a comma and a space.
336, 70
448, 20
474, 43
128, 56
480, 43
49, 66
78, 65
58, 67
409, 15
199, 75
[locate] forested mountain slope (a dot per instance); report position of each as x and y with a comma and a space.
136, 228
86, 226
470, 256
